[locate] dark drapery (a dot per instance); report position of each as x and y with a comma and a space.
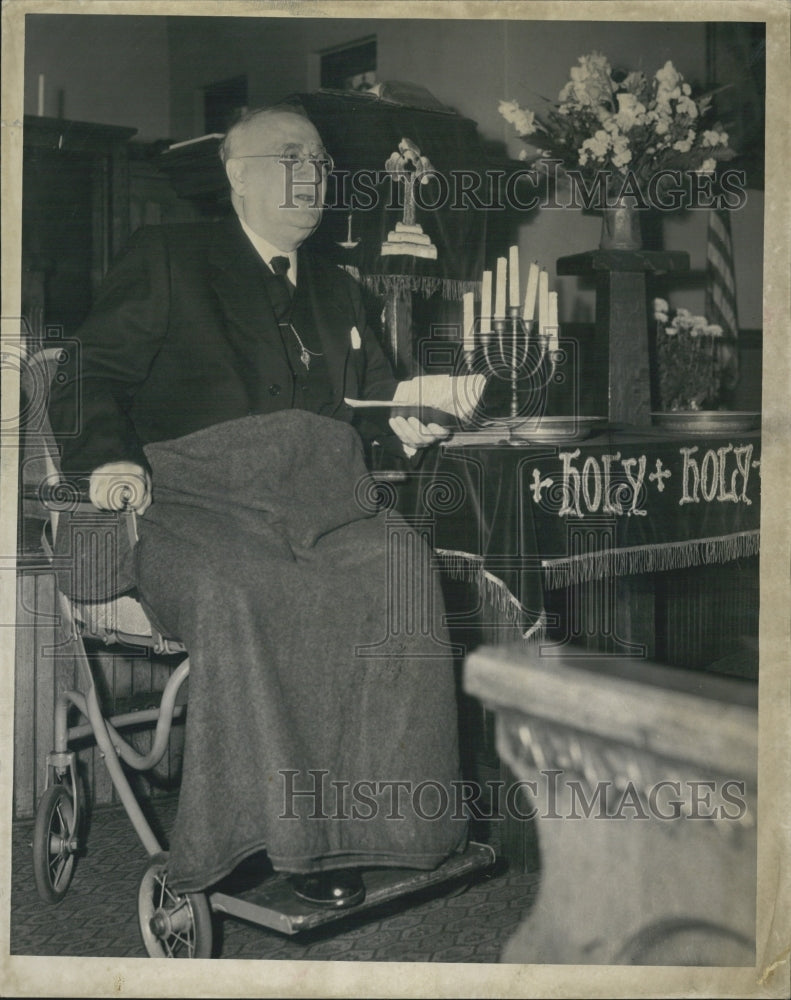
361, 132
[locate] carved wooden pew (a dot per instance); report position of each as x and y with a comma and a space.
643, 783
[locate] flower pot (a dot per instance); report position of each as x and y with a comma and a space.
691, 367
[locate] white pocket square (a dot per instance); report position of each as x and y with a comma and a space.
356, 339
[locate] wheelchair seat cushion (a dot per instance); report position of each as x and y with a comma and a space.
106, 618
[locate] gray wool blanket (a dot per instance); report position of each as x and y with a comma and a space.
259, 555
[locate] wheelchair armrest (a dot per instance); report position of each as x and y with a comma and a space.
54, 501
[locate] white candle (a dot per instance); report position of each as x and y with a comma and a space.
41, 95
468, 332
513, 277
543, 302
529, 312
486, 302
553, 321
499, 293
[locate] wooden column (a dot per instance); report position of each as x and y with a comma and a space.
621, 386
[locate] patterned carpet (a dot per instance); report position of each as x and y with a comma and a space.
98, 916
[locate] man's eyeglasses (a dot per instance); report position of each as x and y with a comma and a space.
319, 161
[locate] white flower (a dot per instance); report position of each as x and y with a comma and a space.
668, 77
707, 167
630, 112
621, 153
711, 137
671, 331
686, 106
598, 145
525, 123
508, 110
714, 330
684, 145
661, 310
523, 120
662, 124
590, 82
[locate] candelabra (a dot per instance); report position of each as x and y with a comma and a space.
509, 349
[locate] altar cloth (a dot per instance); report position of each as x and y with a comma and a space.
539, 518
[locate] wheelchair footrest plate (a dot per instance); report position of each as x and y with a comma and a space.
273, 904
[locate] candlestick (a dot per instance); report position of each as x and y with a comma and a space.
530, 296
513, 276
486, 302
468, 332
553, 321
499, 294
513, 315
41, 95
543, 303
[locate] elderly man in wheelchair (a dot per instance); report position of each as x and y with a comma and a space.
213, 373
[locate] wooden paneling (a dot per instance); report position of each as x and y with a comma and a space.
75, 218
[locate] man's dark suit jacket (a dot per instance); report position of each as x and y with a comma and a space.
183, 335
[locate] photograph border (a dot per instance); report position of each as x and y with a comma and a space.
55, 976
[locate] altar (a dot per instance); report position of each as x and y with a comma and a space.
524, 521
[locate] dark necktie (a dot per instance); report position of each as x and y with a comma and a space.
282, 300
283, 291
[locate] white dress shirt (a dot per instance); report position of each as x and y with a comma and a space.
267, 251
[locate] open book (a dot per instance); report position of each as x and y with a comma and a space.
432, 398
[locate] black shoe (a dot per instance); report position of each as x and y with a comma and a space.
337, 889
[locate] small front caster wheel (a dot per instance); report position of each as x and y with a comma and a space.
54, 844
172, 925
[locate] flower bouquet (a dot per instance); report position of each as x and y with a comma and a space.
695, 361
616, 126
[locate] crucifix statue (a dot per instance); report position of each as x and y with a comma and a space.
409, 168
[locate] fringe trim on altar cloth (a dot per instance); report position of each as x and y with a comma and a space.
383, 284
649, 558
468, 567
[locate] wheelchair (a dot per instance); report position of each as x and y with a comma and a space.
172, 924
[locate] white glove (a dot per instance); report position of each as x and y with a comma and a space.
120, 486
415, 434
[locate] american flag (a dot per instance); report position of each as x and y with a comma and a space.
720, 279
721, 292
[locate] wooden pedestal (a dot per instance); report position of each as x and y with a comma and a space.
621, 382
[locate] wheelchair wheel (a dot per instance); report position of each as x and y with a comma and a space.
54, 844
172, 925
